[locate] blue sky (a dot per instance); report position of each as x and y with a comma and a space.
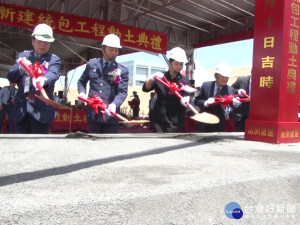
235, 54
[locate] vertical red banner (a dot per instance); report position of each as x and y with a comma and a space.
275, 82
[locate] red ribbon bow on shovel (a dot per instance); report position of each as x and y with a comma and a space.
97, 103
203, 117
36, 70
226, 100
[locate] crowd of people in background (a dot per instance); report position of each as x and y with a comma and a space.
108, 80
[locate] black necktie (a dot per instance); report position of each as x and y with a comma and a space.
11, 92
105, 67
11, 96
36, 58
218, 92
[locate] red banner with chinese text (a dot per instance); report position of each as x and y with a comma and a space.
62, 121
69, 120
79, 120
83, 27
275, 82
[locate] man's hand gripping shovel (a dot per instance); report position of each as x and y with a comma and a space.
97, 103
35, 71
203, 117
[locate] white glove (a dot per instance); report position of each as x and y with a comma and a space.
185, 100
241, 92
40, 79
236, 102
157, 74
83, 95
107, 113
209, 101
26, 61
111, 108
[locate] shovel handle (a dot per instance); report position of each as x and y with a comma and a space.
191, 107
26, 67
177, 94
42, 90
83, 99
119, 116
112, 113
205, 118
245, 94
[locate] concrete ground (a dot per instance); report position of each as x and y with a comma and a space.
147, 179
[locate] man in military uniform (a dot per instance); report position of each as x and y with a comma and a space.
108, 80
31, 114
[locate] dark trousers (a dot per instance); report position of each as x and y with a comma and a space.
103, 128
151, 118
135, 112
30, 126
9, 109
240, 125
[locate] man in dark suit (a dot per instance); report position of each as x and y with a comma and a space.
31, 114
212, 89
242, 84
108, 80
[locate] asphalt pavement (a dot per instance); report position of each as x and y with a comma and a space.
210, 179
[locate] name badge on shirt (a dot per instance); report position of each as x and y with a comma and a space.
27, 84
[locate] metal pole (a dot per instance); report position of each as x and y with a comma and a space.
66, 86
